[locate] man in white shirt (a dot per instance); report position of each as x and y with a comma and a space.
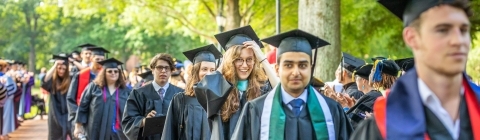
434, 100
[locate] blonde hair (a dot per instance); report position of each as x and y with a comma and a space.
255, 81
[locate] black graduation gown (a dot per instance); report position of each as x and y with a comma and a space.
186, 120
352, 90
366, 100
58, 125
97, 114
248, 126
139, 103
368, 129
72, 97
228, 127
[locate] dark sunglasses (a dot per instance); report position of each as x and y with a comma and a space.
112, 71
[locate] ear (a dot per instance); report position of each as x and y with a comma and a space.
409, 36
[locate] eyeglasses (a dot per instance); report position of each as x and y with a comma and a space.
240, 61
112, 71
162, 68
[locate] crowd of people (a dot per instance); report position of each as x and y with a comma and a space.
246, 94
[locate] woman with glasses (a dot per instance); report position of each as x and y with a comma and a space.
57, 82
242, 67
102, 104
186, 119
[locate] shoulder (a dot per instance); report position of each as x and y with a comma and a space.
178, 96
175, 88
257, 102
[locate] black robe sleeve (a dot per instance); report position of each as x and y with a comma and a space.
248, 125
171, 129
367, 130
133, 115
344, 129
72, 97
47, 85
83, 110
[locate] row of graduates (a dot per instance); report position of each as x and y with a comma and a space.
15, 94
244, 99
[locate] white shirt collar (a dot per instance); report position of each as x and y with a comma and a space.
431, 101
85, 64
286, 98
157, 87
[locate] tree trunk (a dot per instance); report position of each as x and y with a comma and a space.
232, 15
322, 18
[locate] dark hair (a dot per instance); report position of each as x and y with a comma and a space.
460, 4
101, 79
61, 84
165, 57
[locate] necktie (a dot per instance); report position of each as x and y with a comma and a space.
296, 104
161, 91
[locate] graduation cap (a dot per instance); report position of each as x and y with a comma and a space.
147, 75
409, 10
405, 63
86, 46
237, 37
363, 71
60, 57
316, 82
295, 41
110, 63
350, 62
206, 53
98, 51
75, 52
212, 92
386, 66
378, 58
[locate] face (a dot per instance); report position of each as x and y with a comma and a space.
442, 41
14, 67
112, 74
61, 70
244, 64
294, 71
161, 72
76, 56
95, 60
86, 55
205, 68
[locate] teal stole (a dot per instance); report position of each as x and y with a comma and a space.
315, 111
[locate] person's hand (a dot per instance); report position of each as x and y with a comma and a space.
328, 91
350, 100
255, 47
58, 62
341, 99
78, 130
71, 59
31, 74
151, 114
368, 115
3, 80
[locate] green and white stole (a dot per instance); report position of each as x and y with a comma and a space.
273, 117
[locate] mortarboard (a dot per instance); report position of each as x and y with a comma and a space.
110, 63
317, 82
206, 53
154, 126
61, 57
378, 58
86, 46
405, 63
237, 37
147, 75
295, 41
350, 62
409, 10
363, 71
386, 66
212, 92
98, 51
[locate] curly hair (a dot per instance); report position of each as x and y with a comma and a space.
165, 57
61, 84
255, 81
386, 82
101, 79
